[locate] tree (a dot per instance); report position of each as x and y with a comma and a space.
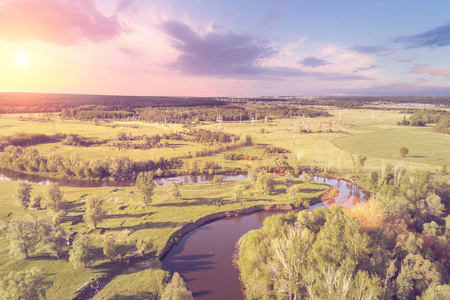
416, 275
109, 248
237, 194
36, 202
54, 198
23, 237
306, 177
265, 183
146, 186
217, 180
176, 289
360, 161
31, 285
294, 191
145, 245
403, 151
94, 213
81, 255
54, 239
23, 194
287, 179
174, 191
121, 136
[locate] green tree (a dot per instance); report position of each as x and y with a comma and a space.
54, 198
306, 177
265, 183
294, 191
282, 162
146, 186
176, 289
431, 228
23, 194
237, 194
358, 162
36, 202
432, 206
109, 248
31, 285
145, 245
436, 292
81, 255
94, 213
287, 179
253, 174
174, 191
217, 180
22, 236
416, 275
121, 136
53, 238
403, 151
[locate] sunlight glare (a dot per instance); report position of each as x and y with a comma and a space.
21, 60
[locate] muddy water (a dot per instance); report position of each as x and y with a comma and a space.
204, 256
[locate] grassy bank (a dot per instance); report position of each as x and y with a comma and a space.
129, 220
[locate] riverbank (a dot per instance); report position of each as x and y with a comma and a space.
129, 220
204, 255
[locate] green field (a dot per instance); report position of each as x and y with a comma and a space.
384, 142
370, 133
129, 220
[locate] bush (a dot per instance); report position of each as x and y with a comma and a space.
403, 151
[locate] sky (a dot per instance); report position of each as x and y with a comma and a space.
227, 48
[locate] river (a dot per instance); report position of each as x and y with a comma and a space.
10, 175
204, 256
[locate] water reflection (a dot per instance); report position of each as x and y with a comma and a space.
10, 175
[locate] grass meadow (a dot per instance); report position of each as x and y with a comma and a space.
367, 132
130, 220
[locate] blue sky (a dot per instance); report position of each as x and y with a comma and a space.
226, 48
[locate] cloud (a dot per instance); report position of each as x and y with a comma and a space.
398, 89
313, 62
124, 5
370, 49
216, 54
132, 52
232, 55
59, 22
365, 68
425, 69
438, 37
407, 60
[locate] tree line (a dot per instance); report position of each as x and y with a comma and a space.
29, 139
396, 246
38, 103
118, 168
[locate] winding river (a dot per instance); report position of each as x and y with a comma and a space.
204, 256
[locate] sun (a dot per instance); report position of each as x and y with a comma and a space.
21, 60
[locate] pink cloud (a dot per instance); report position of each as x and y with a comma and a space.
132, 52
430, 71
63, 22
